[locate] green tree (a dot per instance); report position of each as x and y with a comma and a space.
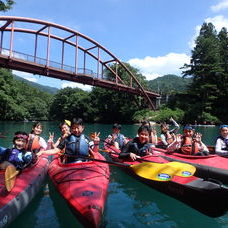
204, 69
6, 5
71, 102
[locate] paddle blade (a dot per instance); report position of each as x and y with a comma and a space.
10, 177
182, 169
152, 171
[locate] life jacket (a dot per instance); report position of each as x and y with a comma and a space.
33, 143
76, 146
120, 140
19, 158
188, 147
225, 141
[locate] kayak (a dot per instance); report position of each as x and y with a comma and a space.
210, 166
208, 197
84, 186
27, 184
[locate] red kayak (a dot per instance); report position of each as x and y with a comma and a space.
84, 186
208, 197
210, 166
27, 184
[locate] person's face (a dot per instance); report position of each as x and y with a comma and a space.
116, 130
224, 132
188, 133
77, 129
165, 128
65, 129
144, 137
37, 130
20, 143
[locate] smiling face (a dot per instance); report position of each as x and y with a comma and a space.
77, 129
144, 136
188, 132
20, 143
37, 130
224, 132
65, 129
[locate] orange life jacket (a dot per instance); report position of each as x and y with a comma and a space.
189, 147
33, 143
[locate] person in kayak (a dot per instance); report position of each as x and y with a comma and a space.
190, 143
221, 146
18, 155
152, 132
139, 146
76, 146
65, 131
116, 138
167, 136
35, 141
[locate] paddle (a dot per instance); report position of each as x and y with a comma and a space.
10, 177
182, 169
147, 170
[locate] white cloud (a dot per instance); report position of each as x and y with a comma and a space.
219, 22
76, 85
153, 67
220, 6
25, 75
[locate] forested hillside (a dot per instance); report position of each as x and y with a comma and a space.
47, 89
169, 84
20, 101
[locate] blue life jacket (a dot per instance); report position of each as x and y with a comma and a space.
120, 140
2, 150
225, 141
19, 158
77, 145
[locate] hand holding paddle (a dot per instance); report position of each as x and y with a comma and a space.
181, 169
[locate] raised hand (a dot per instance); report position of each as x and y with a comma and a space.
51, 137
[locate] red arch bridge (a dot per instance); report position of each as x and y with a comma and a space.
52, 50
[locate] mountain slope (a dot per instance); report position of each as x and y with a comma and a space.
169, 84
47, 89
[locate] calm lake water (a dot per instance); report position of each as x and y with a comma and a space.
129, 203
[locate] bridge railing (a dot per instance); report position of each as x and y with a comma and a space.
43, 62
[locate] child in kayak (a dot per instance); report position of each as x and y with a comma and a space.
152, 132
139, 146
76, 146
17, 156
35, 141
65, 130
116, 138
188, 143
221, 146
167, 135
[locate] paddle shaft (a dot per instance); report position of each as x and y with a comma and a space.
103, 161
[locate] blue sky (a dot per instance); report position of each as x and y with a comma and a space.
155, 36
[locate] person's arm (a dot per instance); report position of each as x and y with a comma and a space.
176, 126
175, 145
127, 152
43, 144
163, 140
203, 147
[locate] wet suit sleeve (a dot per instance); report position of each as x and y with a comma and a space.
125, 152
62, 144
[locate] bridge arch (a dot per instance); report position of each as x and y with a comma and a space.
40, 37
